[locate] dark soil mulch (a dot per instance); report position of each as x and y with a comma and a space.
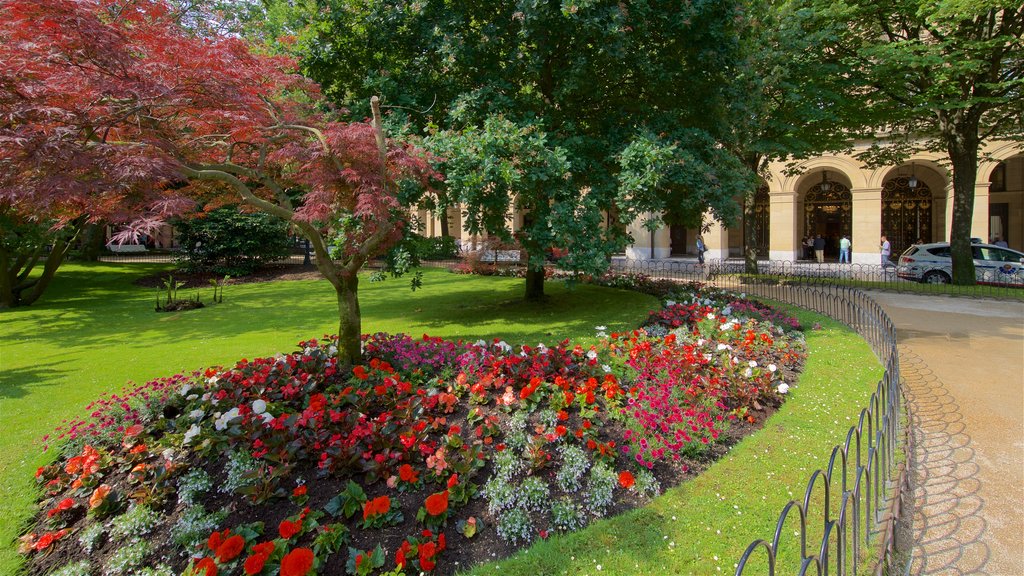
268, 273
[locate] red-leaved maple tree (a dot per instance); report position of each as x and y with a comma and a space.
110, 110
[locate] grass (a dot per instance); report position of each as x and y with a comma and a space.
94, 331
703, 526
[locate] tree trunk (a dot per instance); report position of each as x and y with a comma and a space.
350, 321
750, 234
443, 216
93, 237
962, 147
534, 282
28, 291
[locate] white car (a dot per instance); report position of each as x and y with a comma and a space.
931, 263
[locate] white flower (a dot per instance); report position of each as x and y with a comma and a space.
723, 346
267, 417
727, 311
753, 363
783, 388
332, 350
700, 342
504, 346
259, 406
222, 422
748, 373
213, 380
191, 433
592, 355
480, 343
670, 303
600, 328
606, 368
711, 314
184, 389
772, 368
196, 414
541, 348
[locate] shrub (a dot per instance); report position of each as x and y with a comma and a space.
436, 248
226, 241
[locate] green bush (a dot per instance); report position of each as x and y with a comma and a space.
436, 248
225, 241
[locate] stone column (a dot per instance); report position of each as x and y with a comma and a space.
641, 249
948, 230
980, 218
867, 225
784, 226
716, 239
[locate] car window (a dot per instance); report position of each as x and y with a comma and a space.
1006, 255
990, 254
940, 251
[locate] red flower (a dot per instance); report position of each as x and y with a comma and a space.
217, 538
133, 430
47, 539
299, 491
360, 372
264, 549
230, 549
626, 479
561, 430
427, 550
379, 505
437, 504
298, 562
453, 481
408, 474
206, 566
287, 529
254, 564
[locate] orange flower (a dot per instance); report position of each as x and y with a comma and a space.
408, 474
230, 549
626, 479
264, 549
217, 538
99, 495
298, 562
207, 567
379, 505
437, 504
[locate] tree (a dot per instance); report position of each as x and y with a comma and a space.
112, 111
501, 168
24, 244
944, 76
786, 99
597, 75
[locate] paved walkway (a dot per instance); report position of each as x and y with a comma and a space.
963, 361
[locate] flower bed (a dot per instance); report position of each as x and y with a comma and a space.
434, 455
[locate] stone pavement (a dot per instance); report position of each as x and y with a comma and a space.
963, 363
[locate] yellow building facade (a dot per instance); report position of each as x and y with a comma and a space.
836, 195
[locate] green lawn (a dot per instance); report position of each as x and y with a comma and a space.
94, 331
703, 526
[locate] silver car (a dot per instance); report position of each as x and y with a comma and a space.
931, 263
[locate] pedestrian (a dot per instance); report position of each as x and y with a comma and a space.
701, 248
886, 252
809, 248
844, 250
1000, 242
819, 248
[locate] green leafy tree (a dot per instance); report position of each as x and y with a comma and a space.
503, 167
786, 99
598, 75
227, 241
942, 75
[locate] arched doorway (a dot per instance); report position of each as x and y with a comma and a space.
906, 212
758, 234
828, 212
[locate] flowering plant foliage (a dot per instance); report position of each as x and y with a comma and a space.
440, 434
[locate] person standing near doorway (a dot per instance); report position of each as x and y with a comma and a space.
701, 248
819, 248
886, 251
844, 250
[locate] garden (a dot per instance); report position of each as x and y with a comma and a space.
434, 455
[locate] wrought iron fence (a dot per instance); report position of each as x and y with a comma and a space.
865, 479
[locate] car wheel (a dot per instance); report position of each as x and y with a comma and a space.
936, 277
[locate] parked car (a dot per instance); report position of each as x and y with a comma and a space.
931, 263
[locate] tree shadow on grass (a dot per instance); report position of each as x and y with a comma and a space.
14, 382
